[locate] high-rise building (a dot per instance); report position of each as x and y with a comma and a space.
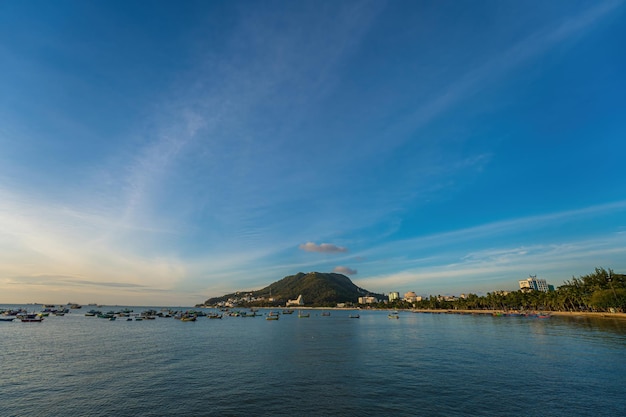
533, 283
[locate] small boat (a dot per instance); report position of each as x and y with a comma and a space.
214, 316
354, 316
31, 319
326, 314
303, 315
112, 318
272, 317
188, 318
393, 315
287, 311
7, 319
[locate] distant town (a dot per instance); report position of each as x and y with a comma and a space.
526, 285
602, 290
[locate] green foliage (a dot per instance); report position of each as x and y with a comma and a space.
607, 299
602, 290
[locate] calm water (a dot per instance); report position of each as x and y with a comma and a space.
419, 365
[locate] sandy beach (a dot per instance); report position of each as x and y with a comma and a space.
553, 313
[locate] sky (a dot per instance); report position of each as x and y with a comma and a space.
162, 152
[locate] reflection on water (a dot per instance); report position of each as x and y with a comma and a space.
421, 364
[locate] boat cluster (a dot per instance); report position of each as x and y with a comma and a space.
129, 315
26, 317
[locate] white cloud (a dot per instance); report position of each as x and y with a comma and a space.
345, 270
324, 248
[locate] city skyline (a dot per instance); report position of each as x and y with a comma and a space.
166, 153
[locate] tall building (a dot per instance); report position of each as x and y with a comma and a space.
394, 295
533, 283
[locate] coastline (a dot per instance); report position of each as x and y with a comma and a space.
604, 315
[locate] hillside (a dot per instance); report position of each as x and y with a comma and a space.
317, 289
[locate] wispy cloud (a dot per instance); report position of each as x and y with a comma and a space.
492, 70
60, 281
490, 267
501, 228
239, 161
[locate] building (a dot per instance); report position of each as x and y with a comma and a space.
410, 296
368, 300
297, 302
394, 296
534, 284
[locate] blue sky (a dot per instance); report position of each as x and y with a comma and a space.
166, 152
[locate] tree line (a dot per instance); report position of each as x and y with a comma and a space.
601, 291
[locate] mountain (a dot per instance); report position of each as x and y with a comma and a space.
317, 289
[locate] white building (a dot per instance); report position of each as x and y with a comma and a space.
297, 302
533, 283
368, 300
394, 295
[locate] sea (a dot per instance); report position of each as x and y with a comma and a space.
323, 365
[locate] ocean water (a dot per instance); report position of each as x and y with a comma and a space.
419, 365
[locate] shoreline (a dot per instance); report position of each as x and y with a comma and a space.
591, 314
604, 315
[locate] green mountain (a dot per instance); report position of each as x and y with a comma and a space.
316, 288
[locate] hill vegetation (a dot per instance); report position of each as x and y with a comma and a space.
317, 289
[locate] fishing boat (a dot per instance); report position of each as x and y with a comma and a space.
354, 316
188, 318
272, 315
303, 315
7, 319
326, 314
31, 318
393, 315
